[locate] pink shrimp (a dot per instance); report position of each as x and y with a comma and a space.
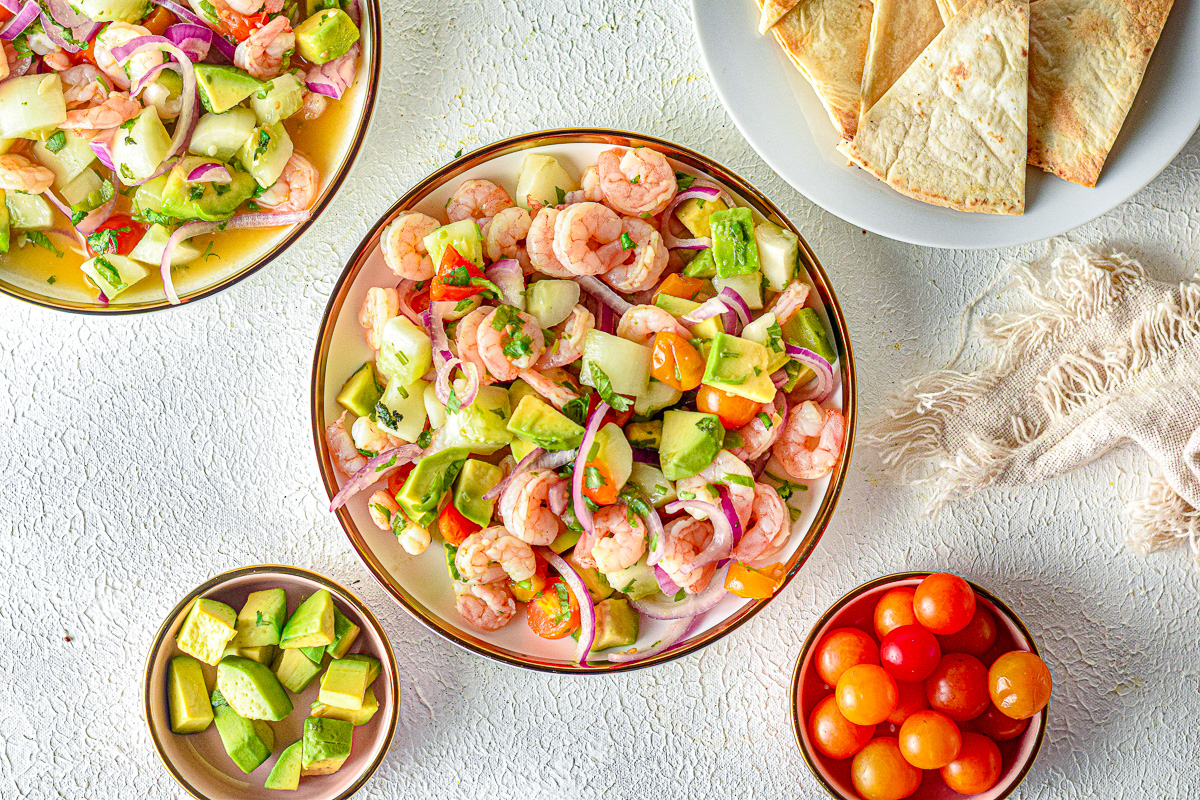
466, 336
789, 301
342, 449
83, 86
761, 432
638, 181
478, 200
494, 554
812, 441
262, 53
115, 110
556, 385
509, 341
685, 539
539, 243
488, 606
768, 529
568, 342
586, 238
615, 542
642, 266
640, 323
504, 234
525, 507
725, 470
18, 173
296, 188
380, 305
403, 245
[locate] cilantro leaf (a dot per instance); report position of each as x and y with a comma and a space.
605, 388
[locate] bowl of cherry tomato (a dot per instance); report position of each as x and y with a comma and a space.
920, 685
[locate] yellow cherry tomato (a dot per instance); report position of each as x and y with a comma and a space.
754, 583
675, 362
735, 412
678, 285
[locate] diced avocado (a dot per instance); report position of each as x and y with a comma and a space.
767, 332
733, 247
251, 689
691, 440
740, 367
539, 423
261, 618
294, 670
207, 201
429, 481
248, 742
597, 586
521, 448
702, 265
262, 655
4, 228
565, 541
401, 410
220, 136
187, 696
658, 396
542, 180
405, 351
327, 745
778, 254
806, 330
622, 364
313, 6
551, 301
311, 624
360, 716
69, 161
285, 775
517, 390
148, 196
464, 236
278, 99
616, 624
678, 306
362, 391
481, 427
345, 633
266, 153
152, 245
371, 662
611, 448
344, 684
694, 214
221, 86
748, 286
636, 582
325, 36
28, 212
653, 483
113, 274
475, 480
206, 630
644, 435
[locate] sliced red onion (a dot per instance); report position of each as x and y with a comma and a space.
823, 387
676, 631
578, 500
333, 78
101, 145
662, 607
693, 193
151, 74
507, 275
193, 39
606, 319
731, 516
188, 103
779, 379
433, 318
210, 173
354, 12
524, 465
587, 611
375, 470
97, 217
665, 584
66, 16
722, 541
598, 289
54, 32
710, 308
536, 459
406, 289
441, 386
644, 456
736, 302
184, 13
21, 20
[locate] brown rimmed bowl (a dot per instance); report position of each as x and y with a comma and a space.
856, 610
421, 584
198, 761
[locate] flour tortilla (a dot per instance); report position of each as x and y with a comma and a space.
1086, 63
900, 32
827, 41
949, 8
952, 130
772, 12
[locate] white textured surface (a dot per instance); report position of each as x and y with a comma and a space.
144, 454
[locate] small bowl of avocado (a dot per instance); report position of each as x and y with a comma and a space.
271, 677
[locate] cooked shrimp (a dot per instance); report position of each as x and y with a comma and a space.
404, 246
789, 301
763, 431
341, 448
685, 539
245, 7
314, 105
413, 538
728, 471
113, 36
640, 323
505, 233
493, 554
159, 96
589, 189
488, 606
509, 341
638, 181
82, 86
642, 266
812, 441
383, 508
296, 189
615, 543
525, 510
380, 305
568, 341
466, 336
539, 243
477, 199
115, 110
768, 529
262, 53
369, 437
18, 173
586, 238
556, 385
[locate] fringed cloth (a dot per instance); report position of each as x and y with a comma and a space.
1092, 354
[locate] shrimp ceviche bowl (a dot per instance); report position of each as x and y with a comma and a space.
153, 151
582, 401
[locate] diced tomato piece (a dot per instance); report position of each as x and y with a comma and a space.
675, 362
159, 20
454, 527
531, 587
117, 236
598, 483
397, 478
453, 276
619, 418
677, 285
554, 612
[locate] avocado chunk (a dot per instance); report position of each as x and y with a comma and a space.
344, 684
207, 201
616, 624
695, 214
678, 306
477, 479
286, 772
521, 448
248, 742
345, 633
740, 366
316, 654
565, 541
221, 86
355, 717
644, 435
262, 655
597, 586
422, 492
703, 265
371, 661
327, 745
4, 227
362, 391
187, 696
311, 624
636, 581
294, 670
734, 248
539, 423
325, 36
261, 619
691, 440
207, 629
251, 689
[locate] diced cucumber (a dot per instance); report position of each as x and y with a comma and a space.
5, 235
69, 161
148, 196
83, 192
551, 301
749, 286
29, 212
702, 265
113, 274
778, 254
113, 10
465, 237
434, 408
653, 483
403, 415
220, 136
625, 364
150, 247
542, 180
612, 448
138, 150
30, 105
481, 427
657, 397
266, 153
278, 99
405, 351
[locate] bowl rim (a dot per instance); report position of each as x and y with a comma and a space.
527, 141
374, 57
289, 571
798, 724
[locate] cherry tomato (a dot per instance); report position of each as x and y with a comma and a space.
452, 281
675, 362
832, 734
396, 480
997, 725
841, 649
910, 653
894, 610
958, 687
977, 767
879, 771
237, 25
677, 285
618, 418
554, 612
118, 235
977, 638
531, 587
1019, 684
454, 527
598, 483
754, 582
419, 301
910, 700
944, 603
867, 694
929, 740
5, 14
159, 20
735, 412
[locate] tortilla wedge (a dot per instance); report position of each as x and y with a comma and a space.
1086, 64
952, 130
827, 41
949, 8
772, 12
900, 32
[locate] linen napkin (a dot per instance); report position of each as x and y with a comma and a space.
1090, 353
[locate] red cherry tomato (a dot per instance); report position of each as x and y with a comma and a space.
894, 610
910, 653
1019, 684
618, 418
867, 694
958, 687
396, 480
452, 281
879, 772
118, 235
834, 735
997, 725
735, 412
977, 767
554, 613
944, 603
929, 740
841, 649
453, 526
910, 700
977, 638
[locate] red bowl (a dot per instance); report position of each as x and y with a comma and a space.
856, 610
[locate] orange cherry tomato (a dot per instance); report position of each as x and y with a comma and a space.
832, 734
958, 687
895, 610
879, 771
944, 603
159, 20
454, 527
532, 586
841, 649
910, 700
977, 767
735, 412
998, 726
977, 638
1019, 684
675, 362
118, 235
929, 740
554, 612
598, 483
453, 276
677, 285
754, 582
867, 694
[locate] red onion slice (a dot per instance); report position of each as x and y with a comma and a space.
507, 275
407, 289
188, 103
441, 386
731, 516
578, 500
535, 459
101, 145
662, 607
598, 289
524, 465
163, 168
587, 611
97, 217
54, 32
823, 387
433, 318
779, 379
606, 319
193, 39
736, 302
676, 631
333, 78
210, 173
375, 470
710, 308
665, 584
722, 541
559, 496
692, 193
21, 20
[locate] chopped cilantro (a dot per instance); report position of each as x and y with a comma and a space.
43, 241
604, 387
684, 180
627, 242
459, 153
386, 416
104, 241
709, 425
56, 142
765, 419
51, 279
560, 195
424, 438
109, 273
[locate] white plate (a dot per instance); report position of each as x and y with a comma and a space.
781, 117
